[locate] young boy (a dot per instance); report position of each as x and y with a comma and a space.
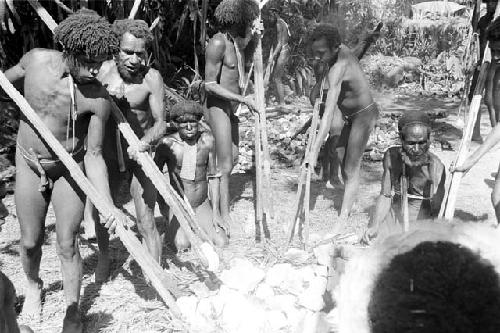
190, 157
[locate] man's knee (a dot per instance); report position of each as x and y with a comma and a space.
66, 249
31, 244
351, 173
225, 166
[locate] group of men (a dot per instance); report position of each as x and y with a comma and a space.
100, 65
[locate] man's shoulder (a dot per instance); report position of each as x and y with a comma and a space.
106, 68
218, 41
153, 77
207, 138
40, 55
436, 160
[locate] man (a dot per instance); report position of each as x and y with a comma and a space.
190, 156
63, 90
280, 54
224, 82
138, 90
329, 160
424, 173
348, 97
492, 86
3, 210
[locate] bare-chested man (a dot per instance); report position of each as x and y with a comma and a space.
492, 84
348, 97
224, 81
63, 90
280, 54
138, 91
425, 178
190, 156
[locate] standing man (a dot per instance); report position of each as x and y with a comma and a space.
224, 82
63, 90
348, 97
138, 90
190, 156
280, 54
424, 173
492, 86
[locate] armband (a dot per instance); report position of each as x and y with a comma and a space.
210, 82
217, 175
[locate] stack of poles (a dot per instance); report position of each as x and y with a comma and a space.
304, 184
448, 205
264, 207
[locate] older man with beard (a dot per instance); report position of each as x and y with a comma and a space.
138, 91
424, 173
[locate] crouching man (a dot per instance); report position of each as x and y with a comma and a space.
425, 178
190, 157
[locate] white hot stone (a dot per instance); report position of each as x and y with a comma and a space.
242, 276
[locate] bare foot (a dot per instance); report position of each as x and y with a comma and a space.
102, 269
335, 183
32, 307
72, 320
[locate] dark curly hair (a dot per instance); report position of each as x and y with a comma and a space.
236, 14
327, 31
185, 108
86, 33
138, 28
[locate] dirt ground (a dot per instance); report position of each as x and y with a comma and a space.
128, 304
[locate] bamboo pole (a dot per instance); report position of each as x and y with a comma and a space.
404, 199
44, 15
150, 267
261, 119
181, 209
134, 9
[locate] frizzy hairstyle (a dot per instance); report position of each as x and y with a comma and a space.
86, 33
328, 32
237, 14
186, 108
138, 28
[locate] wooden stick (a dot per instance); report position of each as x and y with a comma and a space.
44, 15
261, 105
63, 6
181, 209
150, 267
404, 199
134, 9
456, 177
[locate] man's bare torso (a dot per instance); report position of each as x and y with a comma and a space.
197, 190
132, 98
229, 74
47, 90
355, 92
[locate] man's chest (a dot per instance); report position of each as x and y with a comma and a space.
134, 95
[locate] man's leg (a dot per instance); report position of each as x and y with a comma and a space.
89, 221
31, 208
331, 149
68, 202
496, 94
359, 134
279, 72
103, 258
205, 217
222, 129
144, 194
488, 100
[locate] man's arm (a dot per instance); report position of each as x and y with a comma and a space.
282, 38
213, 176
335, 77
214, 56
95, 166
491, 140
157, 107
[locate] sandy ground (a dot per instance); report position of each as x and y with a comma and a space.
128, 304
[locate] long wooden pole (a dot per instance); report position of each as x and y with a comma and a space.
134, 10
181, 209
44, 15
150, 267
261, 105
